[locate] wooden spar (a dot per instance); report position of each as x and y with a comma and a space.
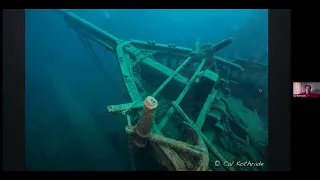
181, 112
117, 46
163, 85
110, 41
182, 94
148, 64
191, 81
90, 30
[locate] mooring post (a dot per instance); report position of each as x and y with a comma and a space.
143, 128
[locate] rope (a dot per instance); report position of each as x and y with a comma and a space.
98, 62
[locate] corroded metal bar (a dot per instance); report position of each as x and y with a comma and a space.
164, 84
182, 94
177, 145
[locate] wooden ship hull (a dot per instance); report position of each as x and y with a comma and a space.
178, 97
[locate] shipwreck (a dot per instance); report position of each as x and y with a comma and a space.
179, 112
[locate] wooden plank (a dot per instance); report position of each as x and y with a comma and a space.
127, 75
203, 113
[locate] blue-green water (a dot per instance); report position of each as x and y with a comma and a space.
67, 125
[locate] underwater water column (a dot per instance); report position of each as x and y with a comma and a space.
91, 137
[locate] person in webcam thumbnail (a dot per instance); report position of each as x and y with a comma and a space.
308, 92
